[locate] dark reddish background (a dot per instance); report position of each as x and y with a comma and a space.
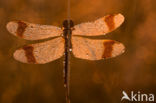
91, 81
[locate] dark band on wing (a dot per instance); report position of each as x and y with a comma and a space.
29, 54
21, 28
108, 48
110, 22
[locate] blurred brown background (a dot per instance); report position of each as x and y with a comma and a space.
91, 81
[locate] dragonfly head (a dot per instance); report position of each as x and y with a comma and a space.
68, 24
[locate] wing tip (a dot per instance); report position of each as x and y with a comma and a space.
17, 27
119, 19
118, 49
12, 26
19, 55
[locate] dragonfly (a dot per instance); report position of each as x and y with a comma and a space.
68, 38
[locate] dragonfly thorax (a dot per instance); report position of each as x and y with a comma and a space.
67, 27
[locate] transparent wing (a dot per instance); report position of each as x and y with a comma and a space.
99, 27
96, 49
31, 31
41, 53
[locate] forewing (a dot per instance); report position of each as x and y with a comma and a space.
101, 26
41, 53
31, 31
95, 49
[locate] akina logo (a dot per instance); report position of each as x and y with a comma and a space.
141, 97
